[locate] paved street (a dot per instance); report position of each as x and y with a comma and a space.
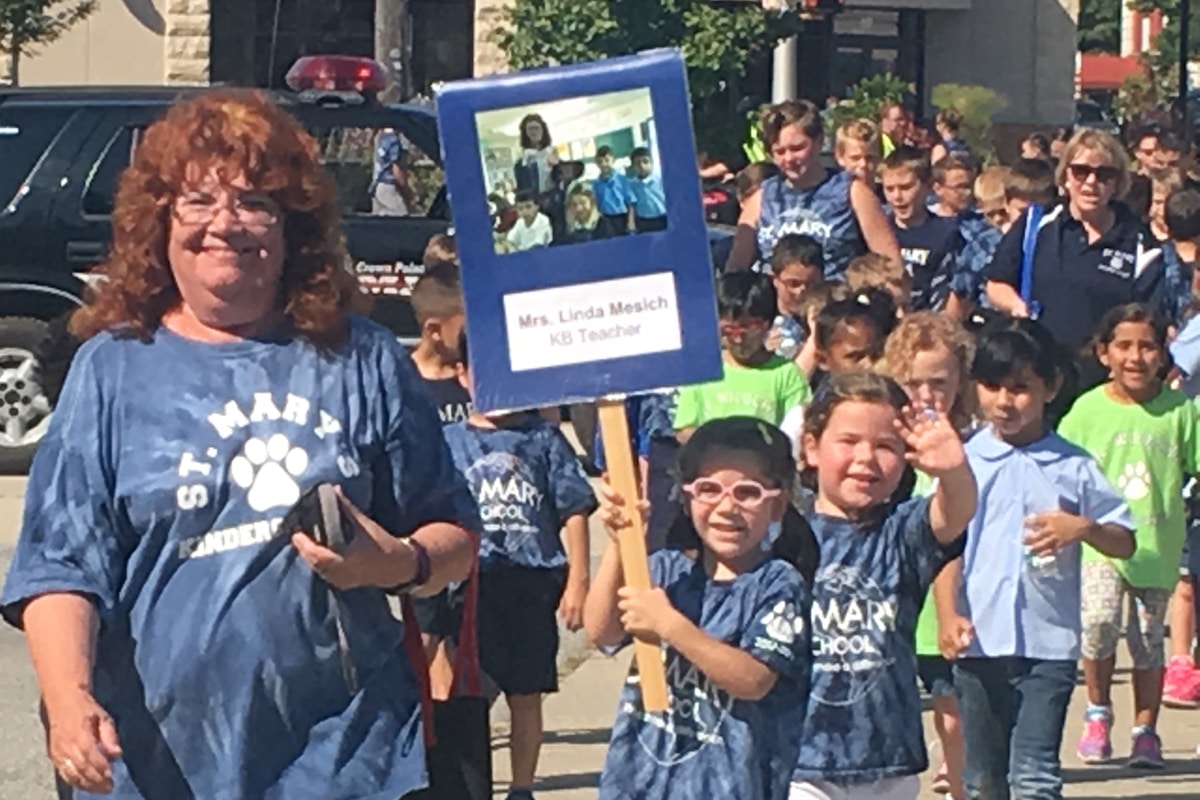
577, 722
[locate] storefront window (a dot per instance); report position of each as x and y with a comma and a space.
867, 23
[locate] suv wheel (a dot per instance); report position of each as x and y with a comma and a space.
24, 406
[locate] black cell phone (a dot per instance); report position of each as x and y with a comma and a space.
319, 514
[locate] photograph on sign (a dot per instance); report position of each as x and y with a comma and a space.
572, 170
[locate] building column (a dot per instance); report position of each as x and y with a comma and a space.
786, 70
187, 42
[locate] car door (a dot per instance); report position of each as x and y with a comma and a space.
83, 208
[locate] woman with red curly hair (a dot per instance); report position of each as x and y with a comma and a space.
185, 645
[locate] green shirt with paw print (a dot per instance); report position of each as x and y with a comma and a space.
1147, 450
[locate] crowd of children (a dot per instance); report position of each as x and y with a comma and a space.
892, 487
573, 209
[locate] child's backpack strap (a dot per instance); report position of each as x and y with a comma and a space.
467, 681
415, 649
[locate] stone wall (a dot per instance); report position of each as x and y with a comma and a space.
187, 42
489, 15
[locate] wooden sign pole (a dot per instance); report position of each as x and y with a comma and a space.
624, 477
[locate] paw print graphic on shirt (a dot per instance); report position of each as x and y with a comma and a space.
268, 471
783, 624
1134, 482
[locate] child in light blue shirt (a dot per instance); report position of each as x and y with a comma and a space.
1040, 499
647, 194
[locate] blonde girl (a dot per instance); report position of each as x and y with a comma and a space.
930, 355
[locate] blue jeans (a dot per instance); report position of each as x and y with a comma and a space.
1013, 714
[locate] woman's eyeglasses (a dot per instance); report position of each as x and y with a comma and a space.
1081, 172
252, 210
745, 494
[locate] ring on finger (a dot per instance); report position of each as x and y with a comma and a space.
67, 769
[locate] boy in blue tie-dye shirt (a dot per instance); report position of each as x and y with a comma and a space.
529, 486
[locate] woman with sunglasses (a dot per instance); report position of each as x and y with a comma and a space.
1068, 266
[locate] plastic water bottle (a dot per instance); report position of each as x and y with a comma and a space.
788, 344
1039, 566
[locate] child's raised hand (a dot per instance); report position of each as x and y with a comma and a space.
645, 613
774, 340
934, 446
612, 510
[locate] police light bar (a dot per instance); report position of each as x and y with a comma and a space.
337, 75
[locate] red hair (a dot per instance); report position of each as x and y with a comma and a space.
237, 132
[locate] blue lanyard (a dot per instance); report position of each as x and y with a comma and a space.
1033, 221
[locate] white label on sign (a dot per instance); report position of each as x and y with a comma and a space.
592, 322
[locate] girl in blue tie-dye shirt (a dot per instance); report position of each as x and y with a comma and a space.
862, 736
732, 617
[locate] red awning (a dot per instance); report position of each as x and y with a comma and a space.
1104, 71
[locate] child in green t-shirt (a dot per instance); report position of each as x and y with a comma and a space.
755, 383
930, 355
1146, 439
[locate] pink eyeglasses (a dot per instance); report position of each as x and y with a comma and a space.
746, 494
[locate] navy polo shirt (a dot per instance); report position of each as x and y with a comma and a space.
1075, 282
930, 251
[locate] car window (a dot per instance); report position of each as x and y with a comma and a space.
378, 171
101, 186
25, 135
1085, 112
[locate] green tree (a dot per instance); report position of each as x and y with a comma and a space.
867, 99
25, 24
718, 43
977, 104
1100, 26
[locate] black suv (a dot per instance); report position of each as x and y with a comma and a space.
61, 151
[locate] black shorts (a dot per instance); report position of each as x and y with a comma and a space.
936, 675
649, 224
518, 627
618, 224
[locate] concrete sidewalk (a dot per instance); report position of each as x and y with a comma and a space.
578, 720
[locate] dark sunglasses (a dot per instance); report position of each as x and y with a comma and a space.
1081, 172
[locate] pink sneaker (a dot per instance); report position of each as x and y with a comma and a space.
1095, 746
1181, 684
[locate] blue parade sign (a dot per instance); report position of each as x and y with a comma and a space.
585, 258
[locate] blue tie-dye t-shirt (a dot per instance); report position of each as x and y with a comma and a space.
980, 240
157, 491
527, 481
864, 711
710, 745
822, 212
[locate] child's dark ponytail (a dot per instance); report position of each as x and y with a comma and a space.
796, 543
